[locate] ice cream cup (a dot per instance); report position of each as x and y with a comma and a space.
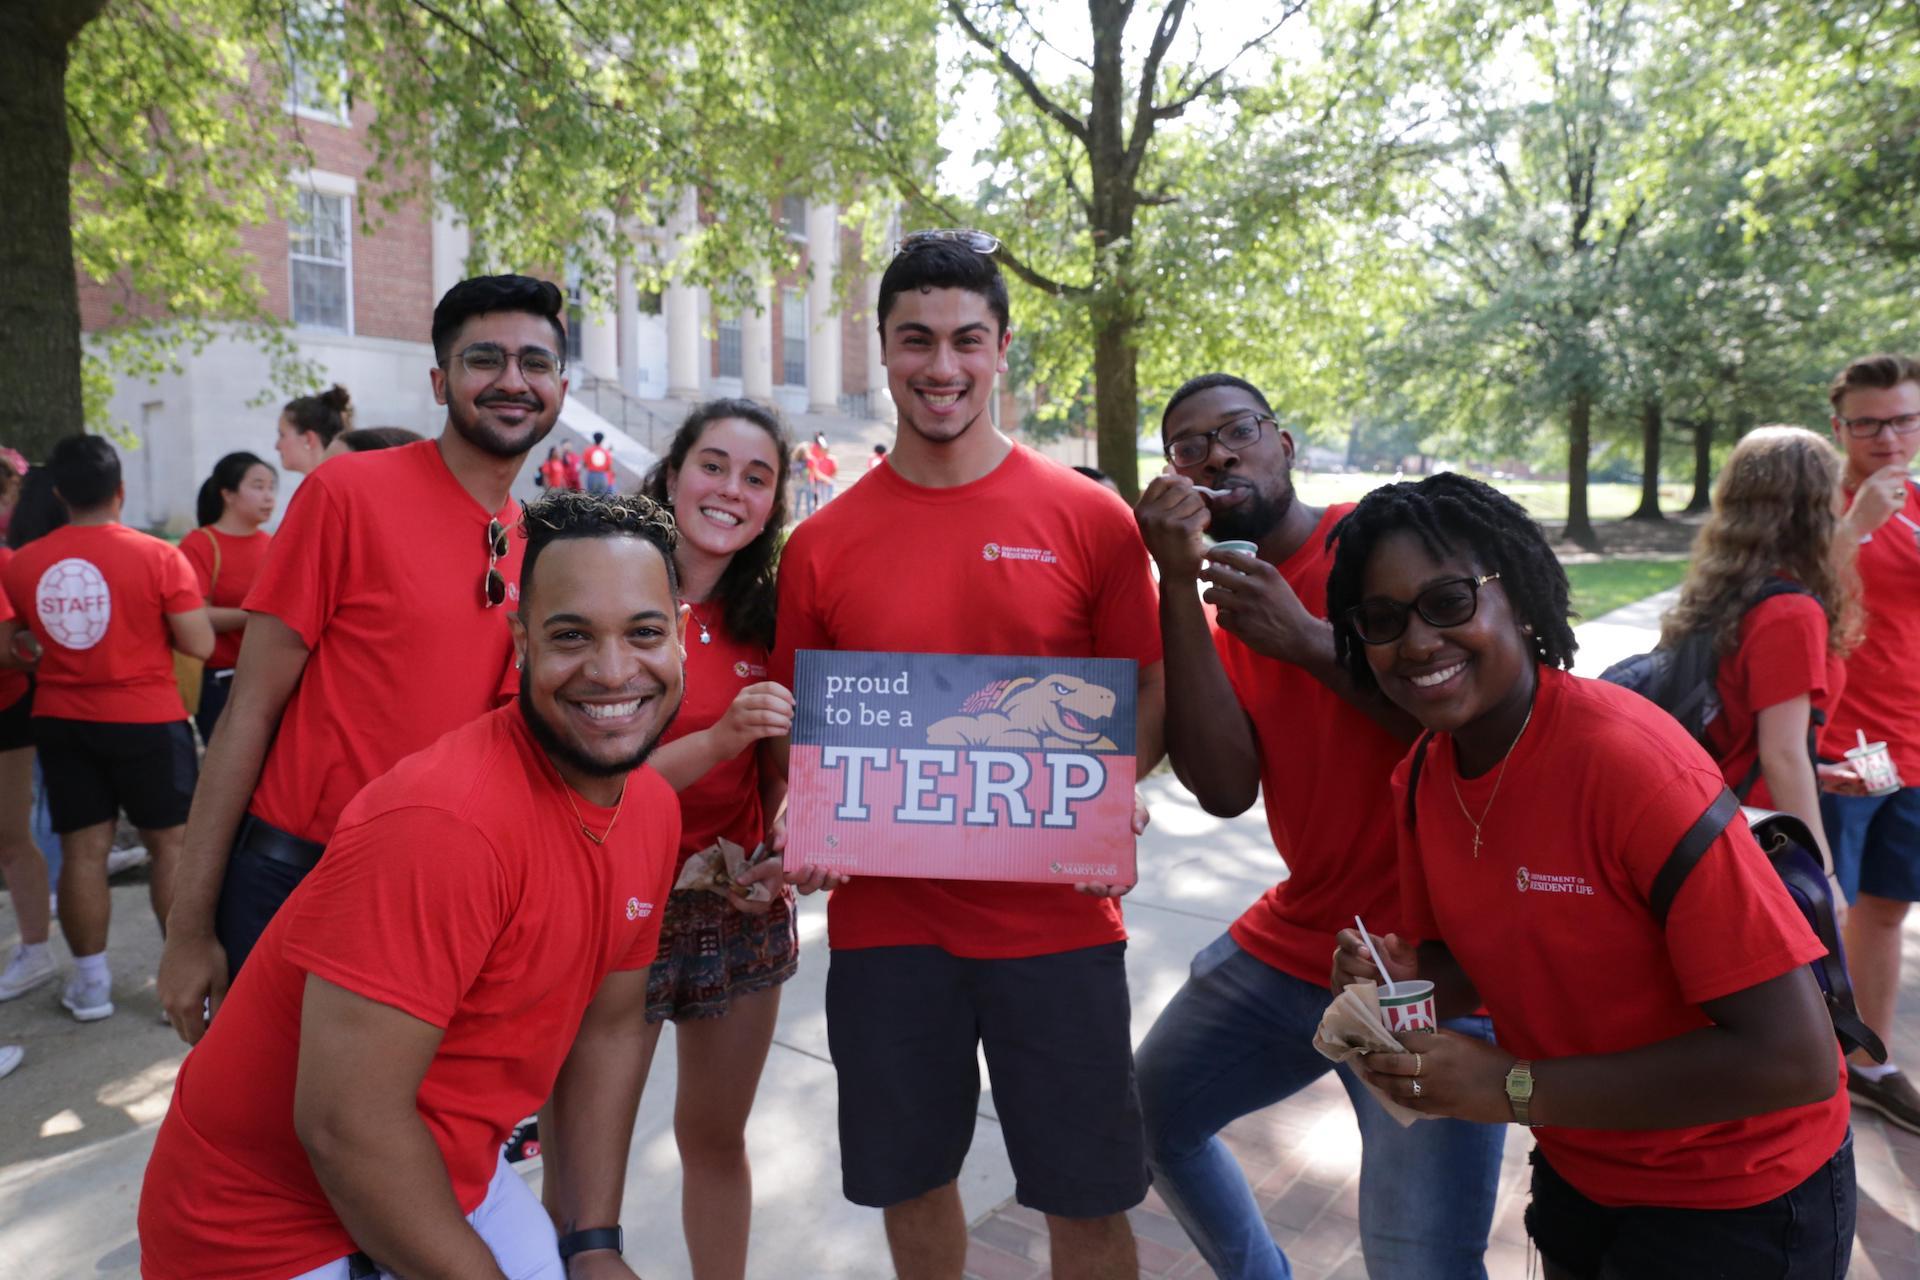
1241, 545
1409, 1008
1874, 766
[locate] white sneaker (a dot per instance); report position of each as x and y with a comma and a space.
10, 1055
88, 1001
24, 973
119, 860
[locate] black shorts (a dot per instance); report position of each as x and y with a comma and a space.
904, 1025
16, 723
1805, 1234
94, 770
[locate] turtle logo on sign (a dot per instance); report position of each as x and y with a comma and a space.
73, 603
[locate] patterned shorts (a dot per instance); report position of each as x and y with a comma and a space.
711, 952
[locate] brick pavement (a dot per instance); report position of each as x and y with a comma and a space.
1302, 1157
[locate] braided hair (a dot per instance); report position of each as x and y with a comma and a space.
1457, 514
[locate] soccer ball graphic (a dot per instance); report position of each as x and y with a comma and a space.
74, 604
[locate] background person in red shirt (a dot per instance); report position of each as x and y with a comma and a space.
1782, 661
1257, 705
1876, 839
596, 468
308, 426
377, 624
226, 552
924, 973
553, 472
722, 958
107, 605
22, 866
426, 986
1681, 1072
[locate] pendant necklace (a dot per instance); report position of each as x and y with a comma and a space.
695, 614
1498, 778
586, 830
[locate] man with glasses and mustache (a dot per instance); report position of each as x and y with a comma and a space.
1256, 704
378, 623
484, 905
1876, 839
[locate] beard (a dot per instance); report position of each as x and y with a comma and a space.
491, 440
559, 748
1251, 519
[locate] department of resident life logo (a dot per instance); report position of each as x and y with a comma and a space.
1038, 555
74, 604
638, 910
1541, 882
749, 670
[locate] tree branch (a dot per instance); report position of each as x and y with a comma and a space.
1023, 77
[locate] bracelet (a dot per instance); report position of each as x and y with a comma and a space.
592, 1238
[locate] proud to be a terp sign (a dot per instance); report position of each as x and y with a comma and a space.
946, 766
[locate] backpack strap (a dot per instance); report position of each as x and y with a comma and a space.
1680, 863
1413, 776
1835, 985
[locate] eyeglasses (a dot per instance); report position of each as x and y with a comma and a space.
1444, 604
1192, 450
978, 241
1867, 428
485, 360
493, 587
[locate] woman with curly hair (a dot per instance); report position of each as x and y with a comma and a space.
1672, 1053
1772, 581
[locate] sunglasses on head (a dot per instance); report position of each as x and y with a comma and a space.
978, 241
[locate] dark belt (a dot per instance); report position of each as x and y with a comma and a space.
264, 840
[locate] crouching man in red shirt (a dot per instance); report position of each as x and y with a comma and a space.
489, 902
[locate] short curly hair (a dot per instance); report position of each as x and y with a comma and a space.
1452, 513
567, 514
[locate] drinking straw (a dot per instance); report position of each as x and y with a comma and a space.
1367, 938
1862, 734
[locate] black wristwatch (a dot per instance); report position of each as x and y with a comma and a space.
592, 1238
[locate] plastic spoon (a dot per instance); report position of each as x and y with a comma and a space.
1367, 938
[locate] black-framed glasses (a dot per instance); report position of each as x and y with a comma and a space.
493, 587
486, 360
1192, 450
1444, 604
978, 241
1867, 428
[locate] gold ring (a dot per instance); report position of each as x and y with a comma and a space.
1416, 1064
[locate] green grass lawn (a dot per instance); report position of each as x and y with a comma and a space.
1600, 586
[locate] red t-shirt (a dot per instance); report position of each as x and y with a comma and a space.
97, 598
570, 467
1324, 768
1782, 655
13, 683
1030, 559
599, 458
458, 889
240, 561
1882, 697
554, 472
1551, 923
726, 801
379, 567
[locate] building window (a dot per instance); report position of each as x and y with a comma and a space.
793, 216
321, 254
317, 60
729, 343
793, 337
576, 321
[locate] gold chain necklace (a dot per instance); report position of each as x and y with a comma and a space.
586, 830
1498, 778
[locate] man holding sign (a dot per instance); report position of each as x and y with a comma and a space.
1007, 554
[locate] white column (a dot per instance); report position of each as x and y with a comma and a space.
627, 304
682, 305
756, 346
600, 344
823, 325
879, 402
450, 240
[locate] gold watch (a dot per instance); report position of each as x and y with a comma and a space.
1520, 1091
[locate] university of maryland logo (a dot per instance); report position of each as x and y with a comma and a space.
1521, 880
1055, 711
990, 552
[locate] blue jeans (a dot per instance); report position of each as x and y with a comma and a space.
1238, 1037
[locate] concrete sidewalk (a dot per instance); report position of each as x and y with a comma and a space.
77, 1119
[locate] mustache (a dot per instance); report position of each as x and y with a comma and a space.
525, 402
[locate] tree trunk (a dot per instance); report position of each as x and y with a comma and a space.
1651, 423
1579, 427
1702, 468
40, 305
1116, 388
1116, 402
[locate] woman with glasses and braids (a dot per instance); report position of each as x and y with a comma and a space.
1678, 1065
1772, 581
724, 950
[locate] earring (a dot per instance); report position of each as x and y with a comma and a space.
519, 664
